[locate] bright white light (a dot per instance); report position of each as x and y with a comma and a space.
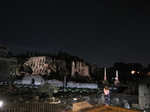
1, 103
74, 98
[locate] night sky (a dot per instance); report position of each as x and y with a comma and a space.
101, 32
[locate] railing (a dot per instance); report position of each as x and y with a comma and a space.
129, 98
67, 103
134, 101
40, 107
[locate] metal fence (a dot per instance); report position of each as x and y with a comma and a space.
40, 107
129, 98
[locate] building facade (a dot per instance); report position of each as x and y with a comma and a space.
81, 68
40, 65
4, 50
7, 64
43, 65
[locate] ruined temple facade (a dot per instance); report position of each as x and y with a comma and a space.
40, 65
80, 68
45, 65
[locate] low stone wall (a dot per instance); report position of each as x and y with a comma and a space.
81, 85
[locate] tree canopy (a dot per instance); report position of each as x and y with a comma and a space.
48, 88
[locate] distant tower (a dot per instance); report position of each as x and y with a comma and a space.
117, 80
105, 77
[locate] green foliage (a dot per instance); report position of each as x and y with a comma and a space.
20, 69
24, 68
83, 79
96, 75
105, 82
27, 69
68, 57
48, 88
145, 80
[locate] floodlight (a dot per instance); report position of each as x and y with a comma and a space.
1, 103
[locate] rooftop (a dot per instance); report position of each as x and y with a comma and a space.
107, 109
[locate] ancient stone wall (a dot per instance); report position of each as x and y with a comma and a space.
80, 68
144, 96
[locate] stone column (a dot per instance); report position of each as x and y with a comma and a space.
117, 80
64, 81
105, 77
72, 69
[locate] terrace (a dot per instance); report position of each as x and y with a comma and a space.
79, 103
24, 98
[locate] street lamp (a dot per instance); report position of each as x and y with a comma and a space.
133, 72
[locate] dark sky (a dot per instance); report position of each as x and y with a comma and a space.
101, 32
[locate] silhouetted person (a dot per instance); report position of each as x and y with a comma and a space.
33, 80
